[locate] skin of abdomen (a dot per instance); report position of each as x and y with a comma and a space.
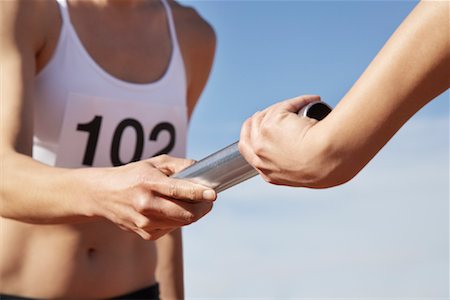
88, 260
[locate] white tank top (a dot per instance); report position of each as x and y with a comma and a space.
83, 116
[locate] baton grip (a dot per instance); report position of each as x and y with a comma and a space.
227, 167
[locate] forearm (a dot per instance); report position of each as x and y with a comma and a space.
37, 193
410, 70
169, 271
30, 191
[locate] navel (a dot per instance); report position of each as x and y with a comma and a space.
91, 253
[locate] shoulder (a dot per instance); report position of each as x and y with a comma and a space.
192, 28
197, 42
26, 23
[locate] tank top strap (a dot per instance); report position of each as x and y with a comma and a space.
63, 7
172, 29
62, 4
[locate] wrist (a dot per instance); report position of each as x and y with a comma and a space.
87, 187
324, 157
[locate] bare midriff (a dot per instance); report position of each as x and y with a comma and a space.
88, 260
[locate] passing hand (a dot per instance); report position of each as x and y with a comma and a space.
273, 141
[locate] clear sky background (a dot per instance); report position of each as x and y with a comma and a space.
383, 235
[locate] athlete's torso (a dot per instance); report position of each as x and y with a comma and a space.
133, 88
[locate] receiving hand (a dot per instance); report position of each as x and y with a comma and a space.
141, 197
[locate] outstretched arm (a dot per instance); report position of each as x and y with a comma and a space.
411, 70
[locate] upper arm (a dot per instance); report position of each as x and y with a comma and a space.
20, 40
198, 44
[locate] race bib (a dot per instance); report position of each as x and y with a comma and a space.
103, 132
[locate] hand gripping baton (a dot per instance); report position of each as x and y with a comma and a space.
226, 167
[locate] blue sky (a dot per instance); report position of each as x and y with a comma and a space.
385, 234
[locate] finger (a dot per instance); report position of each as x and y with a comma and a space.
244, 144
182, 189
170, 165
158, 233
159, 222
295, 104
128, 219
152, 234
147, 228
250, 145
249, 130
143, 234
255, 130
253, 159
180, 212
197, 210
115, 213
183, 213
259, 131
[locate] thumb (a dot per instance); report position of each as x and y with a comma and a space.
295, 104
170, 165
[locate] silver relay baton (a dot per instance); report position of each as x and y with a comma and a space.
226, 167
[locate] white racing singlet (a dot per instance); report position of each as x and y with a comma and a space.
84, 116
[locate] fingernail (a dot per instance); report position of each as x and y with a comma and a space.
209, 195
